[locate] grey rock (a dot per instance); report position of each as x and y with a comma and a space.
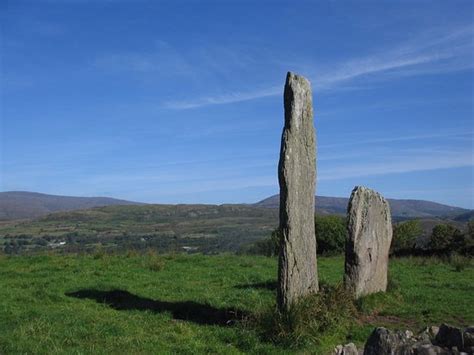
449, 337
429, 334
430, 349
433, 331
384, 341
369, 226
348, 349
468, 337
297, 269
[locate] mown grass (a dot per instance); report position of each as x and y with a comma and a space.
151, 303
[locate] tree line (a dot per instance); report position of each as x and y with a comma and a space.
408, 239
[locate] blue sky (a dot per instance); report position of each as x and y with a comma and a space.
181, 101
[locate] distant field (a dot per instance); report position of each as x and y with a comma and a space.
181, 303
207, 229
167, 228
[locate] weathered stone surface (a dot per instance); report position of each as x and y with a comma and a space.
448, 341
348, 349
430, 349
369, 226
297, 270
449, 337
384, 341
468, 337
429, 334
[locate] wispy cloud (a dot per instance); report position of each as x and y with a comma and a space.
413, 137
224, 99
428, 54
400, 164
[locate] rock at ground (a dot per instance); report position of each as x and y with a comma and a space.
348, 349
297, 271
384, 341
430, 349
449, 337
469, 337
369, 228
447, 341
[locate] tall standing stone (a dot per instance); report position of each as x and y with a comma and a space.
297, 269
369, 226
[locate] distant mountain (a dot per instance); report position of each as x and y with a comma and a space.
400, 209
22, 204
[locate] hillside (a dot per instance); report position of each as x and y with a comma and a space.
401, 209
22, 204
204, 228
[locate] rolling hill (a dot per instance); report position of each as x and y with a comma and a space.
401, 209
22, 204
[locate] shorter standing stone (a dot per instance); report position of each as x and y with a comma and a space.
369, 226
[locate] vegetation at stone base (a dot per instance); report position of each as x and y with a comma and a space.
325, 316
198, 304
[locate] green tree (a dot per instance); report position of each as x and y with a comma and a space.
330, 237
268, 246
331, 234
464, 243
444, 238
404, 236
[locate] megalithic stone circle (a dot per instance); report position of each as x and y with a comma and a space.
369, 226
297, 267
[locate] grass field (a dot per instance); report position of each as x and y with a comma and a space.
188, 303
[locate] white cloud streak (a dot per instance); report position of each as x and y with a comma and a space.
224, 99
400, 165
455, 135
436, 54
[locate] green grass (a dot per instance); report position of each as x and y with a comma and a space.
37, 315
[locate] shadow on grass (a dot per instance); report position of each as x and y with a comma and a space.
185, 310
267, 285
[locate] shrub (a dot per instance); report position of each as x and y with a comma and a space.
459, 262
131, 253
404, 237
99, 253
464, 243
153, 261
331, 234
156, 264
268, 246
330, 238
443, 237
